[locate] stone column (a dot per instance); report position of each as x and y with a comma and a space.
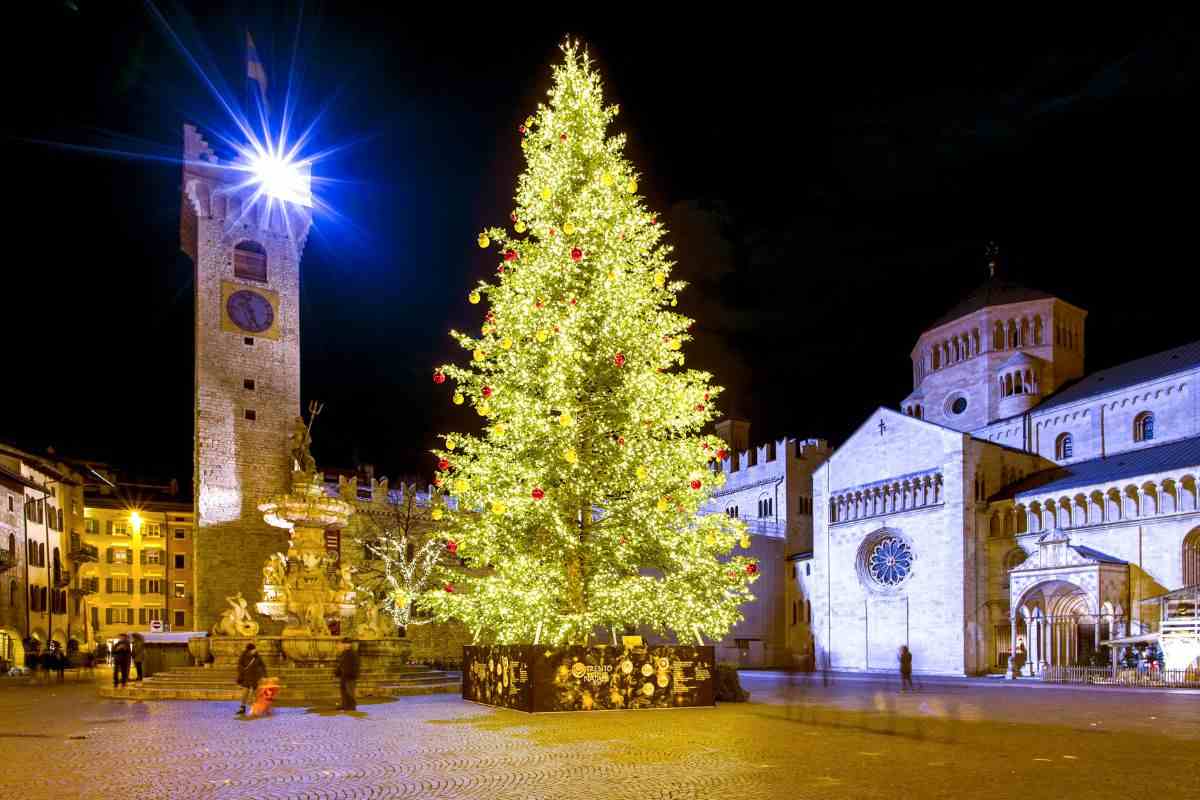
1012, 645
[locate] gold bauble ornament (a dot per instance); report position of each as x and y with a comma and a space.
498, 430
529, 122
745, 542
483, 240
477, 355
546, 193
473, 298
483, 409
565, 420
506, 343
541, 336
663, 504
498, 507
519, 227
458, 398
436, 514
568, 229
641, 473
710, 540
607, 179
569, 455
449, 444
660, 279
460, 485
631, 187
675, 344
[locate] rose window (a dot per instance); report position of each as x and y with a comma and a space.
890, 561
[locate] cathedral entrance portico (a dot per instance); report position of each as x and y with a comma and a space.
1064, 601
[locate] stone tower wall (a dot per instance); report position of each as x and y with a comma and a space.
239, 462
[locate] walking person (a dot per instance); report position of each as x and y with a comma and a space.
347, 674
139, 654
251, 670
122, 654
906, 681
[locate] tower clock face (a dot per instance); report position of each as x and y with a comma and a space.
250, 311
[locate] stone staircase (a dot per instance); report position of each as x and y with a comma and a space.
299, 686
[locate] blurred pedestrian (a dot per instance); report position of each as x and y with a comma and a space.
139, 654
347, 674
906, 681
251, 670
122, 654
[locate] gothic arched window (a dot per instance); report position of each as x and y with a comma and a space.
1143, 427
1191, 558
1064, 447
250, 261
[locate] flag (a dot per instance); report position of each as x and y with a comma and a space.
255, 71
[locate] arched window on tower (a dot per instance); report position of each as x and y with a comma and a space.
936, 358
1024, 331
997, 336
1017, 387
1008, 385
1037, 330
975, 341
1143, 427
1191, 558
250, 261
1064, 447
1013, 344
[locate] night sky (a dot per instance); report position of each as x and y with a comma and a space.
830, 189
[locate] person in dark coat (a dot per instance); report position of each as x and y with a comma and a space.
906, 681
251, 670
347, 674
122, 654
139, 654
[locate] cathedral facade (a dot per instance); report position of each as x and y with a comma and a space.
1013, 503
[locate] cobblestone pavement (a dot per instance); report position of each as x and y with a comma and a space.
853, 739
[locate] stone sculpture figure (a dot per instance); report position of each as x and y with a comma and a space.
275, 570
236, 620
314, 621
301, 439
377, 624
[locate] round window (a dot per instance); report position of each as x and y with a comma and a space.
959, 405
890, 561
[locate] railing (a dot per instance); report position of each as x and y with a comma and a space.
1181, 626
81, 552
87, 586
766, 527
1123, 676
62, 578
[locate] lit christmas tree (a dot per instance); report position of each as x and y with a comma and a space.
582, 493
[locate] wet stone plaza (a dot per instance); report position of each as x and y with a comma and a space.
798, 738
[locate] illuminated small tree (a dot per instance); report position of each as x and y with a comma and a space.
406, 550
582, 492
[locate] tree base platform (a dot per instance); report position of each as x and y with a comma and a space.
541, 678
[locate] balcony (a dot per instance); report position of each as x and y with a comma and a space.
766, 527
82, 553
86, 586
62, 578
8, 560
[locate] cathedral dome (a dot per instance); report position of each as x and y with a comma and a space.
994, 291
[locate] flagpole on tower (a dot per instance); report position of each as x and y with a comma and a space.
256, 79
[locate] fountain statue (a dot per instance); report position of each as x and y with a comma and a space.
236, 620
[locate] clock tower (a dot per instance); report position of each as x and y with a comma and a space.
247, 368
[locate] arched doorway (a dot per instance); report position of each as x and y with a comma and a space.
1062, 627
1191, 558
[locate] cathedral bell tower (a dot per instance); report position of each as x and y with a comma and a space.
247, 367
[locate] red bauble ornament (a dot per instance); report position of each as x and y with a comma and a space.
623, 540
489, 316
576, 254
704, 445
699, 406
751, 569
521, 128
443, 465
696, 484
513, 216
574, 301
621, 440
439, 377
619, 359
452, 546
437, 482
552, 231
449, 587
706, 397
654, 220
487, 391
721, 454
537, 494
510, 255
562, 137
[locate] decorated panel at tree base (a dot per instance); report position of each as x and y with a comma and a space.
539, 678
